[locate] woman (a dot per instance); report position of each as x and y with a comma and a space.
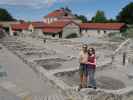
91, 68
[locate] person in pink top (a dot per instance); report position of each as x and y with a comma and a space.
91, 68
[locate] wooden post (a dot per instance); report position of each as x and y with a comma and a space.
124, 58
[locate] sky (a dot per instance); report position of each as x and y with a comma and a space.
34, 10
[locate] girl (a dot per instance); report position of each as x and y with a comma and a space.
91, 68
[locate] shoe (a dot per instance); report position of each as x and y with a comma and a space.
89, 86
80, 87
95, 88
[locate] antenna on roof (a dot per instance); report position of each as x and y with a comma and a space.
68, 9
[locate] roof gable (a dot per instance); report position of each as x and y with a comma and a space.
59, 13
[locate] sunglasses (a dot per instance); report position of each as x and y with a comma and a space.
84, 47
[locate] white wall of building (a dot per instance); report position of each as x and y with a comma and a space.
50, 19
97, 33
69, 29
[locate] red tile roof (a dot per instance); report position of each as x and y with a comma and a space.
21, 26
107, 26
58, 13
60, 24
38, 24
52, 30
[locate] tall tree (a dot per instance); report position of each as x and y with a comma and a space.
126, 14
99, 17
5, 15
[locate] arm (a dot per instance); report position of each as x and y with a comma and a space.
80, 57
94, 63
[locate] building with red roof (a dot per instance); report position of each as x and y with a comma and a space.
60, 14
19, 27
100, 29
61, 23
15, 29
27, 27
62, 29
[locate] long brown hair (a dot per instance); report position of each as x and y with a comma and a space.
91, 50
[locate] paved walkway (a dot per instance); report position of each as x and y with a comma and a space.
21, 75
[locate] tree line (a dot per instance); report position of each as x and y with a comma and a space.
125, 15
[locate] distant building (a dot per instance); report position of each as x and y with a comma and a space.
61, 29
101, 29
7, 24
62, 23
36, 28
18, 29
60, 14
26, 28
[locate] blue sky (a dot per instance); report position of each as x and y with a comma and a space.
35, 9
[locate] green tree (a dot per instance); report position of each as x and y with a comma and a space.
111, 20
82, 18
5, 16
126, 14
67, 9
99, 17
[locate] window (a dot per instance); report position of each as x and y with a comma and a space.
66, 14
53, 35
105, 31
30, 30
86, 30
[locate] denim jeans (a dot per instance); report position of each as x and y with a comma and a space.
91, 77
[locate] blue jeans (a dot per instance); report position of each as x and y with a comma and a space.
91, 76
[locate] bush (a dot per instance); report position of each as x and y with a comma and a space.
114, 34
129, 33
73, 35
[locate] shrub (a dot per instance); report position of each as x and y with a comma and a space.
73, 35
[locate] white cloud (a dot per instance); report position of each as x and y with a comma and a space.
30, 3
90, 15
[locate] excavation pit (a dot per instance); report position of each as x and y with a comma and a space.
36, 54
51, 64
72, 79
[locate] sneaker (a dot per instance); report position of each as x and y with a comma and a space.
95, 88
80, 87
89, 86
